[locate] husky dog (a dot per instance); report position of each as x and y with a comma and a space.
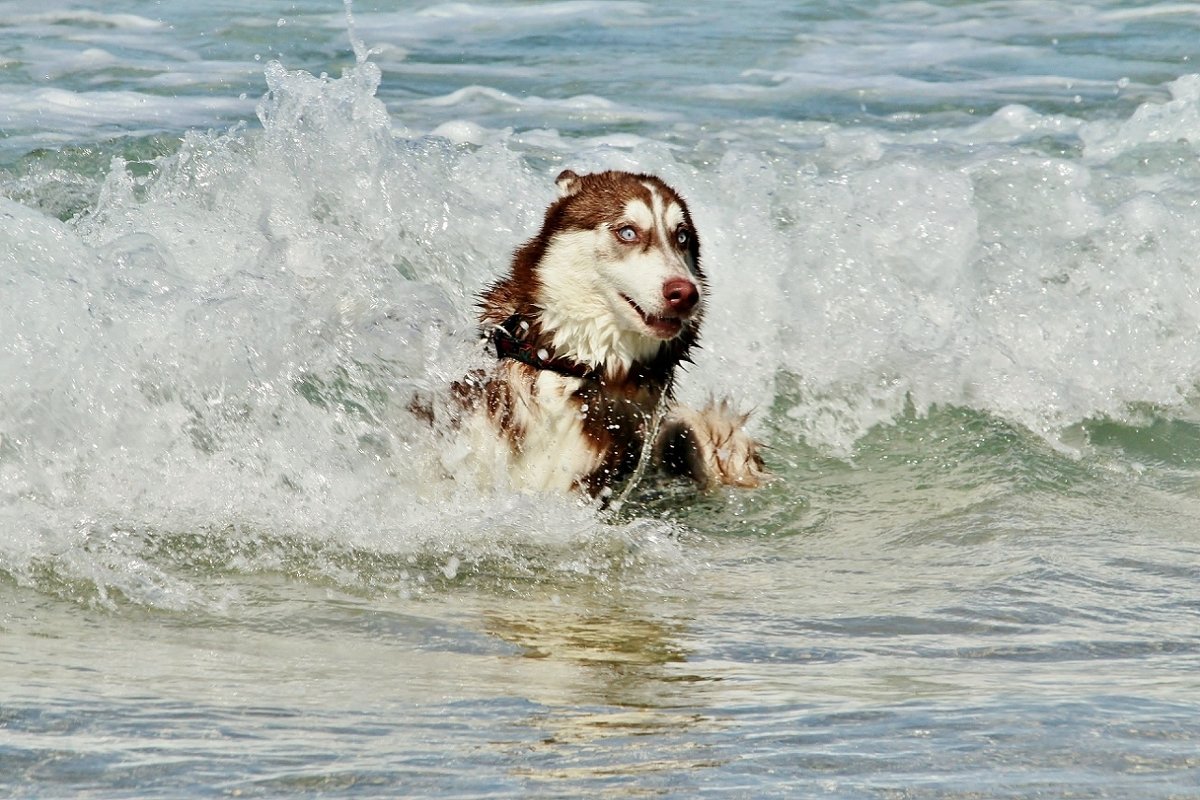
588, 326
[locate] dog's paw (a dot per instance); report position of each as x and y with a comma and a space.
711, 446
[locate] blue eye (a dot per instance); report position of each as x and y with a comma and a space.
627, 233
682, 237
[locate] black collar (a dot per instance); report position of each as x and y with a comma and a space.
510, 343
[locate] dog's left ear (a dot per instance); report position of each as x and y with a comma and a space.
568, 183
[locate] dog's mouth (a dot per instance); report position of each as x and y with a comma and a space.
664, 327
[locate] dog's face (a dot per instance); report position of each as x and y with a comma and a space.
621, 272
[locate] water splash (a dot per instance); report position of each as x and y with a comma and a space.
231, 342
229, 339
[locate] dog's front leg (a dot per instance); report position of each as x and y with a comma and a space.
710, 446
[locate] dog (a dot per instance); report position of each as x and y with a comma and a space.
589, 327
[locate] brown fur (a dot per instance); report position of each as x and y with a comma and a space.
615, 405
597, 199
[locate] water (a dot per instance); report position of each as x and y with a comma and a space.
951, 247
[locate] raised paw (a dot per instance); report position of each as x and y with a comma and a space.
711, 446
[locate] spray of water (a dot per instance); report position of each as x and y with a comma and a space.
226, 344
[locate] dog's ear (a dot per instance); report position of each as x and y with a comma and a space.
568, 183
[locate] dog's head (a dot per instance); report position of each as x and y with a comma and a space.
615, 272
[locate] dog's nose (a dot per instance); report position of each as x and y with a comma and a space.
681, 294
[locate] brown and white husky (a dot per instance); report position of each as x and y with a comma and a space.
589, 326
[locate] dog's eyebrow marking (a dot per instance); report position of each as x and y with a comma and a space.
662, 227
674, 216
640, 214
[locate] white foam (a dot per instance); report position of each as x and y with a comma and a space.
483, 102
519, 15
81, 17
233, 340
1043, 289
1126, 15
62, 115
1176, 121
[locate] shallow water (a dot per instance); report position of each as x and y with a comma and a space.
951, 248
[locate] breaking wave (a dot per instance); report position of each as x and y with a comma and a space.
221, 350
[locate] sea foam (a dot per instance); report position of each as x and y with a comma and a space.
232, 339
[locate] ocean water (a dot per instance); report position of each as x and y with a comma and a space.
953, 252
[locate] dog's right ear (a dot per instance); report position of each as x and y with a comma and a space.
568, 183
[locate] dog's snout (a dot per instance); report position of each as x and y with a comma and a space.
681, 294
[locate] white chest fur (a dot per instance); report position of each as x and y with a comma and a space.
539, 444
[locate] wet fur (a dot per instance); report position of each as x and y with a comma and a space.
578, 298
